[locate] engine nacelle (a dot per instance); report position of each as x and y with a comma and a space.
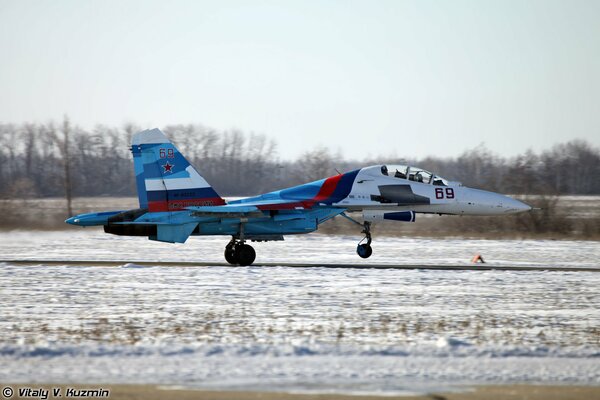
378, 215
131, 230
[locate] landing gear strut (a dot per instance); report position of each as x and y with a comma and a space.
237, 252
364, 250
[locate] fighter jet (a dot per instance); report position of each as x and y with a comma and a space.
176, 202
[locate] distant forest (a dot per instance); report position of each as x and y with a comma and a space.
45, 160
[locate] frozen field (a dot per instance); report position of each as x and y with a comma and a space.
298, 329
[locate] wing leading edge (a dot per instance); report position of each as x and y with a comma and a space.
252, 208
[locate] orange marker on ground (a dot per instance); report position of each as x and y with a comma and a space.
477, 258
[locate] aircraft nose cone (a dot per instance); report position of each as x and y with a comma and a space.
515, 206
524, 207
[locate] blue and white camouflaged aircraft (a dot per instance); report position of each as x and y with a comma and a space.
176, 202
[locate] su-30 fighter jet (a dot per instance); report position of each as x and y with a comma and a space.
176, 202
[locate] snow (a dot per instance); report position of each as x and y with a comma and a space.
94, 244
293, 328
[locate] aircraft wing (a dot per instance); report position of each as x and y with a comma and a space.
236, 208
177, 230
246, 209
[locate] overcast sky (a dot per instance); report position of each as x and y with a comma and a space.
366, 77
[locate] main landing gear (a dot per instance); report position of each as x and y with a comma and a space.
364, 250
239, 253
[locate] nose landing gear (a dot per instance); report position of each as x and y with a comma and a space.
239, 253
364, 250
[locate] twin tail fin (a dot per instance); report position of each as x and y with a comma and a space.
165, 180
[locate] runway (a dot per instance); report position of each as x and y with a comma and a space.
120, 263
111, 311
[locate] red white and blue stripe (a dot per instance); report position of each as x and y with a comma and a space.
165, 180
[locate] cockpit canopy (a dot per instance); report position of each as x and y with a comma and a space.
413, 174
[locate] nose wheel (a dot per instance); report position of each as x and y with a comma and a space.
239, 253
364, 250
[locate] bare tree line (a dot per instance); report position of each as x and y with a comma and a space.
61, 160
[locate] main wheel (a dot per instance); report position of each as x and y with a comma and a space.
364, 250
231, 255
245, 254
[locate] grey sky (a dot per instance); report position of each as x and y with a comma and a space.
366, 77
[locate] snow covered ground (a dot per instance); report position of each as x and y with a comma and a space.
297, 329
94, 244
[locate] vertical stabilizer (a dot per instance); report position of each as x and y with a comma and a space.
165, 180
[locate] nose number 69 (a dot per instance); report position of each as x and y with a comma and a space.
440, 193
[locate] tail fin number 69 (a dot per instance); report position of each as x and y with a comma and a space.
440, 193
166, 153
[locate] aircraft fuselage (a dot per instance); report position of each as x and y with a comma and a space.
177, 202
